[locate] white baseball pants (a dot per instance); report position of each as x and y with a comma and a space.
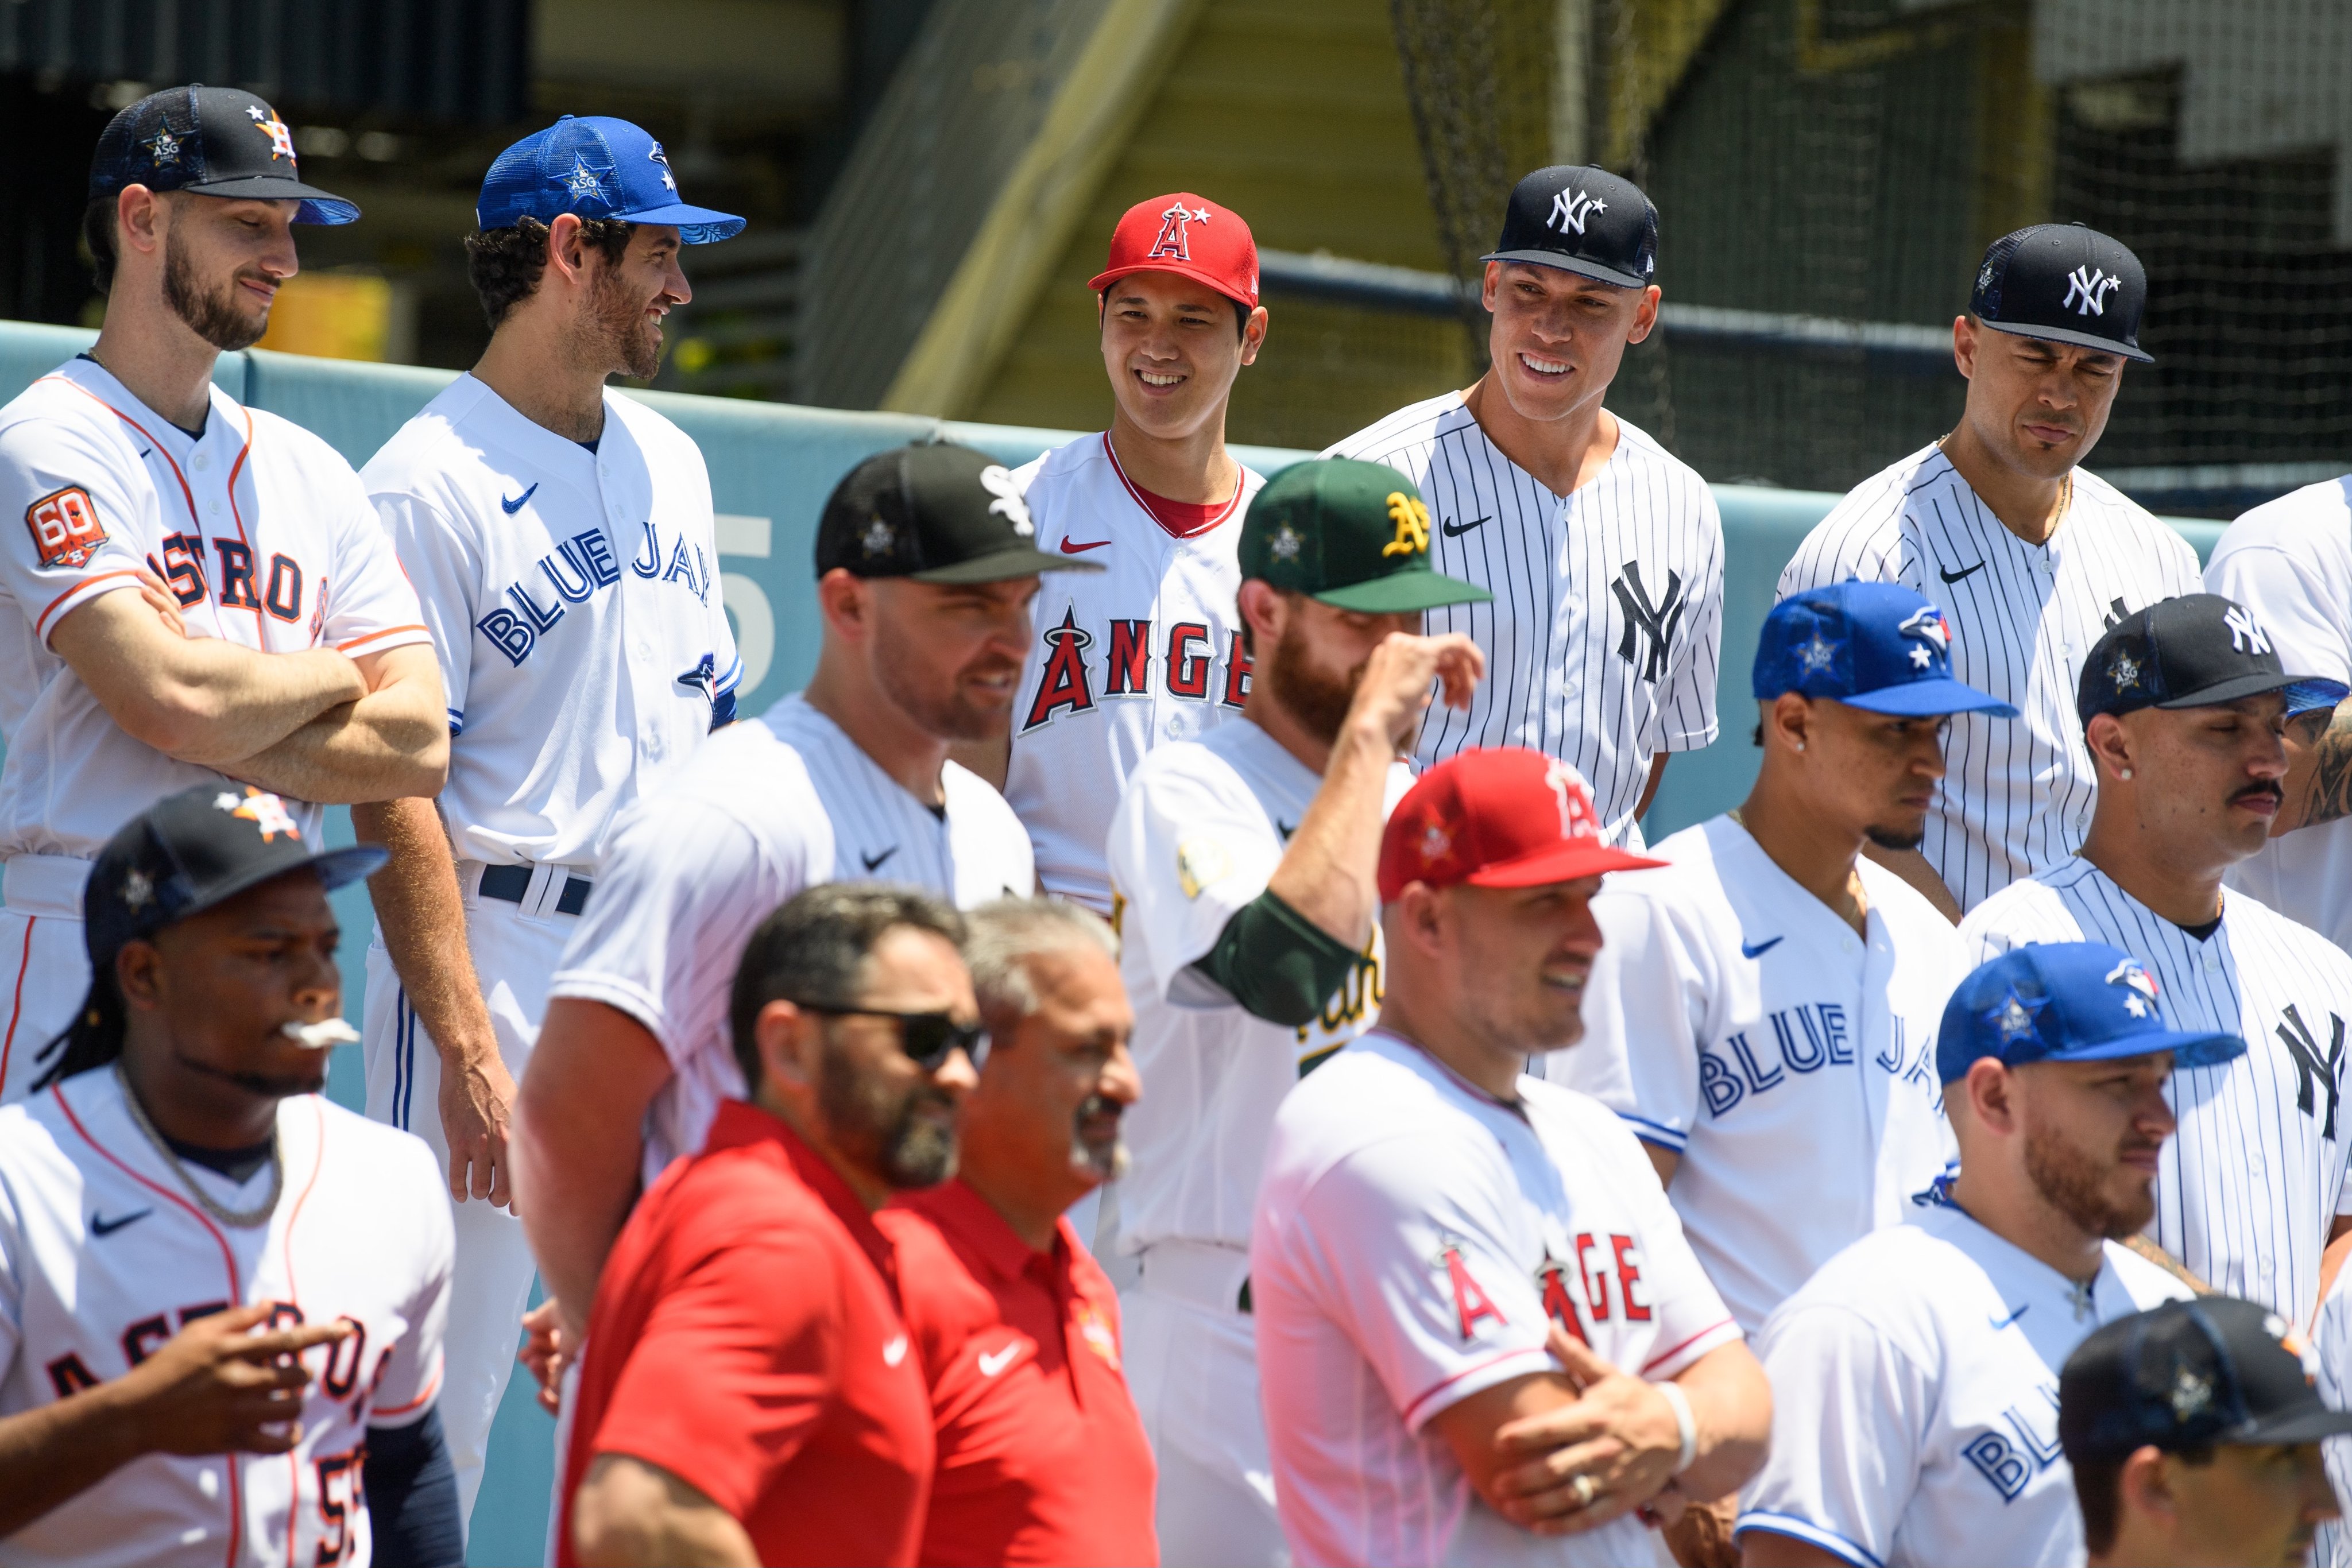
44, 966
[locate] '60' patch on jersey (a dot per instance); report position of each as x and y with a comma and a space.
66, 530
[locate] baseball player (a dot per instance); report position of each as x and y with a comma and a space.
559, 536
2331, 1344
926, 563
2030, 557
221, 1296
1244, 864
1148, 649
2183, 705
1477, 1316
1788, 1093
1915, 1378
1604, 554
2290, 562
199, 590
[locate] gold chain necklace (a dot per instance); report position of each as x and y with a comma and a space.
238, 1218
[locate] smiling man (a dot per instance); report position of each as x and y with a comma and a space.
1603, 555
2184, 707
2030, 557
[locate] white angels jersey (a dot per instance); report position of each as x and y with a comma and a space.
573, 599
1198, 835
1145, 652
1915, 1397
103, 1258
2018, 793
1789, 1062
1414, 1241
766, 808
258, 528
1606, 626
2250, 1184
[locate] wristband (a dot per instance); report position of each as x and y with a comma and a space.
1685, 1423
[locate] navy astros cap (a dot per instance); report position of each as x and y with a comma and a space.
196, 849
2197, 1373
2198, 650
2065, 1001
1581, 220
2064, 283
212, 142
933, 512
1874, 645
593, 167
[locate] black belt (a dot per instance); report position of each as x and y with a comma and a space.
512, 885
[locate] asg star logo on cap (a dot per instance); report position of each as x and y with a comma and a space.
138, 890
1286, 543
2123, 671
163, 148
2192, 1396
2014, 1019
581, 184
879, 539
1436, 843
1815, 657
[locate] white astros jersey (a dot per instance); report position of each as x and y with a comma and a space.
1734, 1019
1915, 1397
1198, 835
766, 808
1606, 626
2018, 793
260, 530
1414, 1241
103, 1258
2290, 561
2249, 1184
1145, 652
573, 597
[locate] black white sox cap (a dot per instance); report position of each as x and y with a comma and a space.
1581, 220
2064, 283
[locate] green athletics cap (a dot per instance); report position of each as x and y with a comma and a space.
1352, 534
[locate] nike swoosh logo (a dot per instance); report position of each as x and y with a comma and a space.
989, 1366
1071, 547
145, 450
101, 1226
1757, 949
1999, 1323
1284, 828
872, 860
1452, 530
895, 1352
1956, 576
516, 504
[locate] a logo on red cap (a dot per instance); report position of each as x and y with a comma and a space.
1174, 242
1576, 818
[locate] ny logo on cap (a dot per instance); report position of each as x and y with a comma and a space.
1174, 242
2245, 637
1570, 207
2088, 285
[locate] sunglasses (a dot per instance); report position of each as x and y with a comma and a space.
926, 1038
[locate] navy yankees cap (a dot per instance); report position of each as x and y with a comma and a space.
2198, 650
214, 141
1581, 220
934, 512
595, 167
2065, 1001
196, 849
1874, 645
2064, 283
2192, 1375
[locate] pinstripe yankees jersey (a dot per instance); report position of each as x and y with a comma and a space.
2253, 1178
1606, 626
2018, 794
765, 809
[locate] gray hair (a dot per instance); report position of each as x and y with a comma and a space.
814, 950
1008, 932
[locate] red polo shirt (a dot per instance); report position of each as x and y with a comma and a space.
746, 1338
1042, 1457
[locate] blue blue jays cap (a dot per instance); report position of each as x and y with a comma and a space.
212, 141
593, 167
2065, 1001
1874, 645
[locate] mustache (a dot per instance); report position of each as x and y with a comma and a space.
2270, 787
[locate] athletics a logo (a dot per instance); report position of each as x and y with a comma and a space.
2088, 288
1655, 622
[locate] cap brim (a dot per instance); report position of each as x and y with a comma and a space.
999, 566
2310, 693
696, 225
1561, 863
336, 868
1403, 594
2068, 335
318, 206
2189, 1049
1576, 265
2307, 1425
1200, 274
1924, 699
2314, 690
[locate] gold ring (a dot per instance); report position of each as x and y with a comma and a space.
1585, 1488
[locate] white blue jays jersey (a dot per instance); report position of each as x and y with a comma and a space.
573, 599
1915, 1397
103, 1258
2251, 1182
1787, 1060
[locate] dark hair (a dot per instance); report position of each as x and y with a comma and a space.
504, 263
2099, 1492
813, 949
1241, 312
94, 1039
97, 237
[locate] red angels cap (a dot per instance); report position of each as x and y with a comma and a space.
1505, 816
1188, 235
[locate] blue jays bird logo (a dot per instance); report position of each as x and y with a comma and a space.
1174, 242
2138, 985
1929, 628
